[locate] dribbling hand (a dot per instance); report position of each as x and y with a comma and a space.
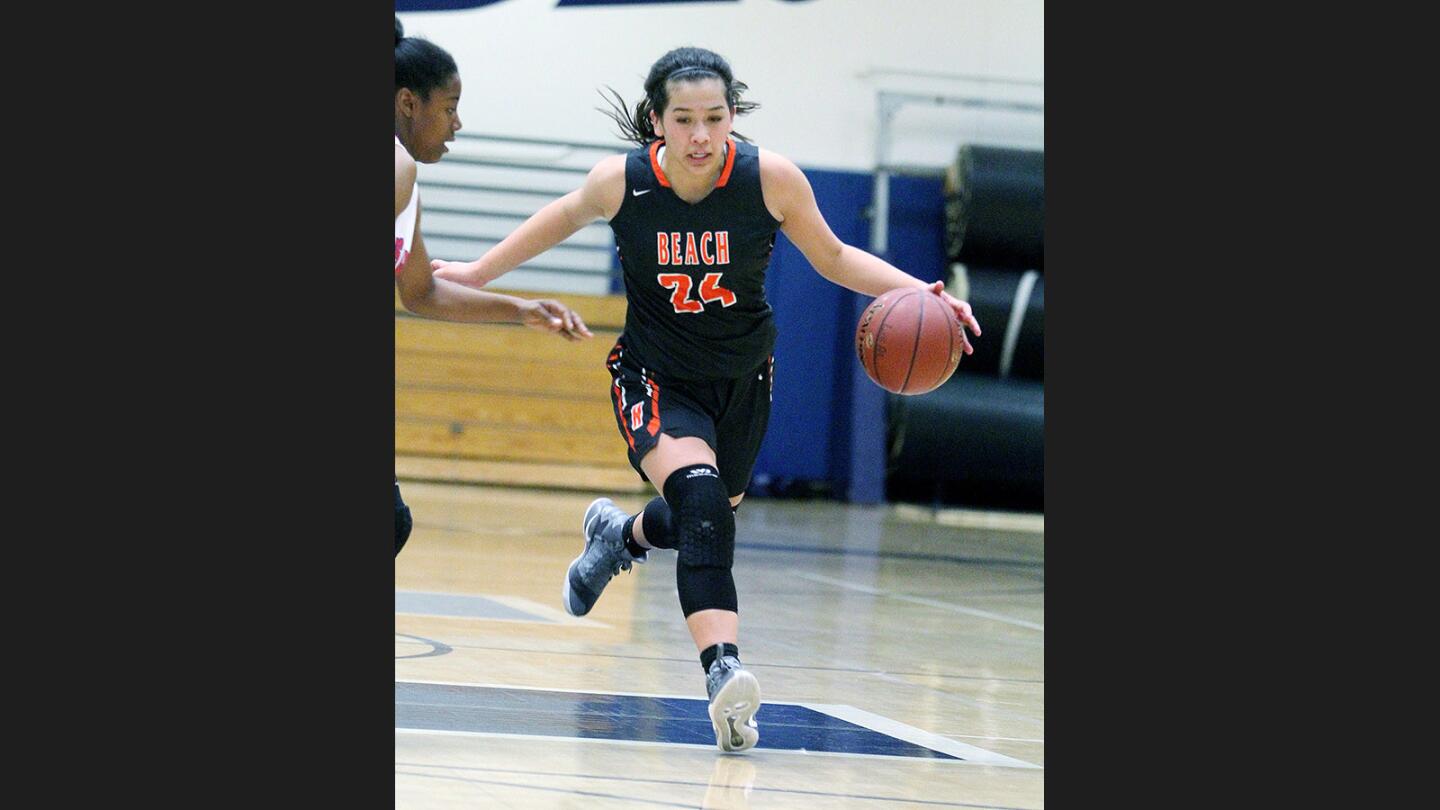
962, 311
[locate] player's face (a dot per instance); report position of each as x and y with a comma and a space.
695, 125
436, 121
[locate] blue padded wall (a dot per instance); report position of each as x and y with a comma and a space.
827, 423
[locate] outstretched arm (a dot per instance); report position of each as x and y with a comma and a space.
598, 198
791, 200
423, 294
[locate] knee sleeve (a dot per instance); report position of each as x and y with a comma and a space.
703, 528
658, 525
402, 521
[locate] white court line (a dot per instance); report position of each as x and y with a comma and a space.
550, 689
1001, 739
543, 614
910, 734
919, 600
850, 714
698, 747
972, 519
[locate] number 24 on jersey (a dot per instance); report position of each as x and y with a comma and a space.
710, 291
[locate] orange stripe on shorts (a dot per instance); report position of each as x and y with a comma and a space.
620, 411
654, 426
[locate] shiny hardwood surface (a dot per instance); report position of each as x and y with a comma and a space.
933, 622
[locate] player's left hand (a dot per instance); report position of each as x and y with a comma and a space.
549, 315
962, 311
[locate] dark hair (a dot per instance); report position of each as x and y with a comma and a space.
420, 65
681, 64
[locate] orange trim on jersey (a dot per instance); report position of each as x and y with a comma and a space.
724, 173
729, 163
655, 164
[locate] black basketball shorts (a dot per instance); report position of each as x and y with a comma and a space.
730, 415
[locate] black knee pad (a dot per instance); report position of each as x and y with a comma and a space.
703, 528
701, 522
659, 532
402, 521
705, 589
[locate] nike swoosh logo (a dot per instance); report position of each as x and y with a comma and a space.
637, 192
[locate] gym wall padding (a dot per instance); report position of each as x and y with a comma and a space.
992, 294
975, 441
1028, 360
979, 439
827, 431
995, 207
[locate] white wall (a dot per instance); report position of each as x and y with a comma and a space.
531, 69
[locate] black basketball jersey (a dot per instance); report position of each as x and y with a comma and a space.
695, 274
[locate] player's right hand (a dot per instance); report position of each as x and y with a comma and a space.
550, 315
467, 273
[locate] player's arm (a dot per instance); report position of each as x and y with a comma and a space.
404, 179
598, 198
791, 200
423, 294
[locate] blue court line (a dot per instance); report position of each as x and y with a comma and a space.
794, 667
891, 555
436, 647
588, 715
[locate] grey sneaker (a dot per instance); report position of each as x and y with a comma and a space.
734, 699
604, 556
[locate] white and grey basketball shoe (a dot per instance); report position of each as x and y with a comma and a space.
734, 699
604, 556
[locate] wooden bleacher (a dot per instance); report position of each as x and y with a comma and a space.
503, 404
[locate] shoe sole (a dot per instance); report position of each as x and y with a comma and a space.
567, 594
731, 712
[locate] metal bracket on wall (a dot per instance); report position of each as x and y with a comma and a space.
888, 103
491, 183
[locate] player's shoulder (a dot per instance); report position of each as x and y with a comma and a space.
405, 170
781, 181
609, 169
776, 167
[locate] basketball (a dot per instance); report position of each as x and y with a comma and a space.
909, 341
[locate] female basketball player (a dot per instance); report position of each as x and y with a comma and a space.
427, 97
694, 214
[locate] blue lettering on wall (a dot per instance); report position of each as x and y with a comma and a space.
454, 5
563, 3
441, 5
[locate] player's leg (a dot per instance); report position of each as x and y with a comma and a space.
403, 522
656, 514
702, 524
641, 406
734, 691
702, 529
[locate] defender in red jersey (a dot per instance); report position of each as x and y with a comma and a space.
427, 101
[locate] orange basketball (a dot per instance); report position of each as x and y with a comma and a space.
909, 341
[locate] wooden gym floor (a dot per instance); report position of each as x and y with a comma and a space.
900, 656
